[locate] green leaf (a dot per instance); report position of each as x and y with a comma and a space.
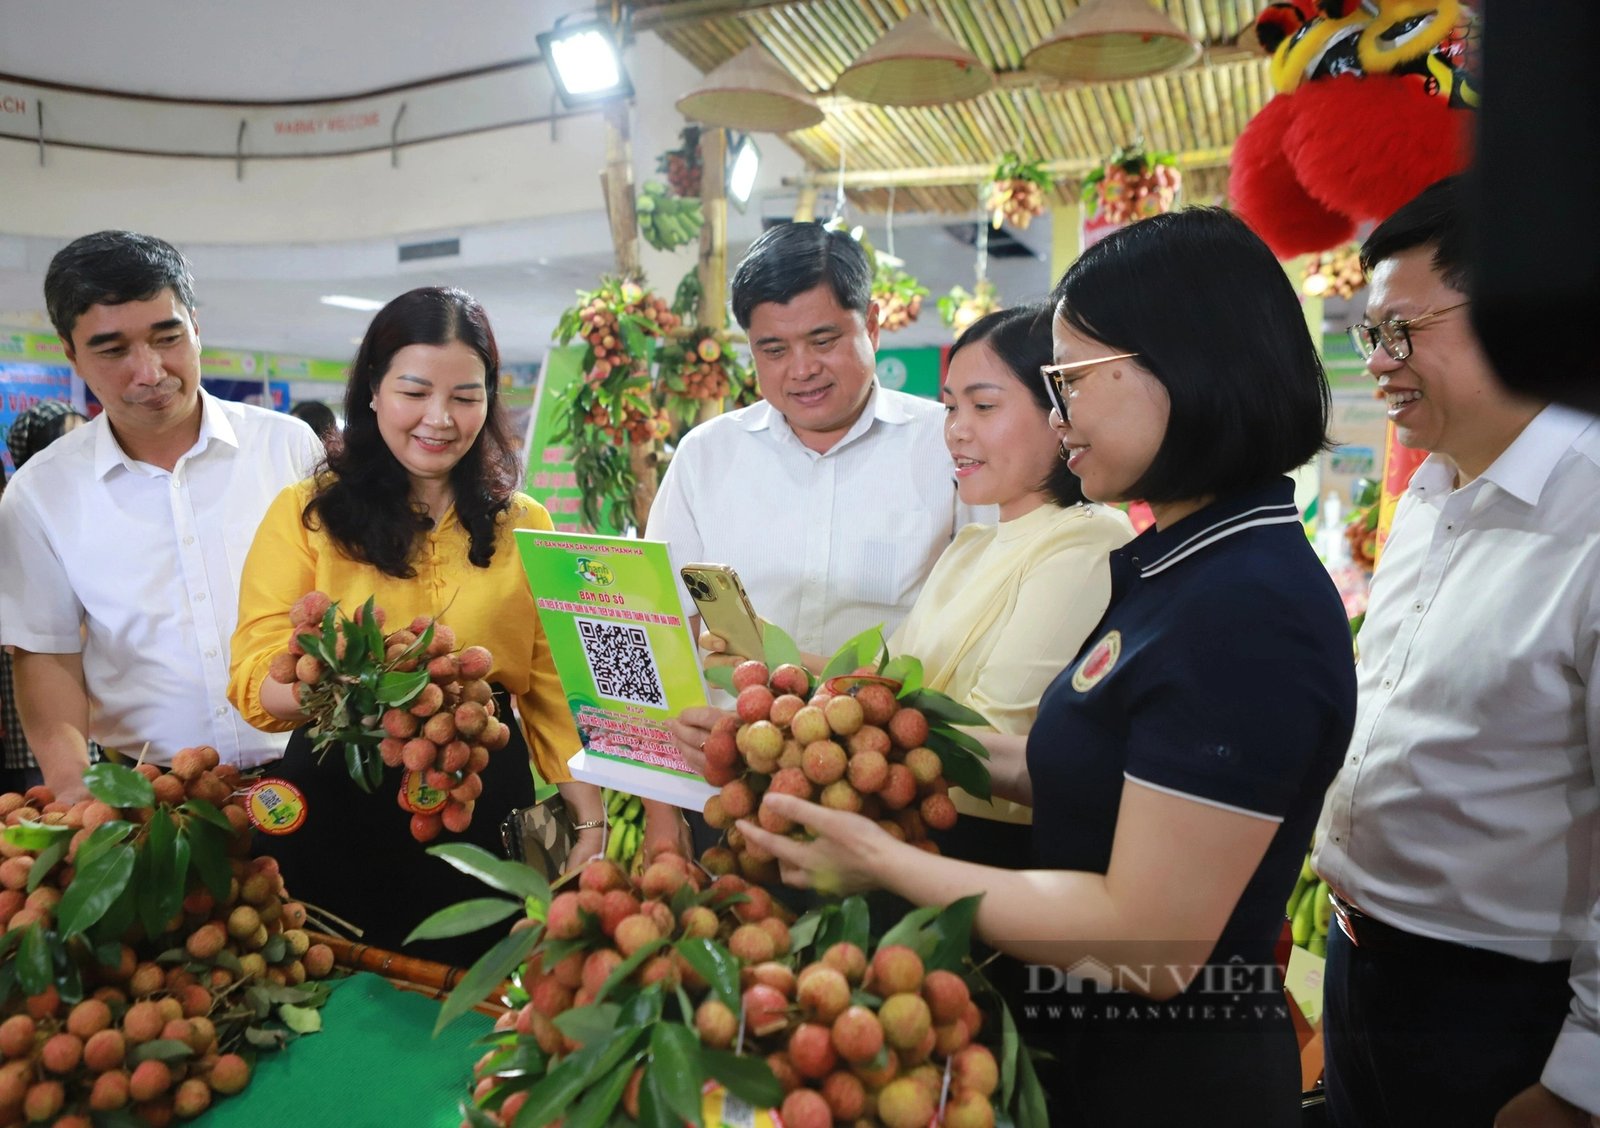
960, 767
552, 1096
721, 677
93, 888
803, 931
749, 1078
356, 767
200, 809
330, 629
590, 1025
163, 893
161, 1049
302, 1020
907, 670
912, 931
627, 967
855, 922
355, 646
312, 645
602, 1099
46, 861
508, 877
676, 1069
862, 650
716, 965
476, 1117
396, 688
100, 839
1010, 1043
464, 917
208, 851
118, 786
264, 1039
939, 707
485, 976
36, 835
275, 949
1032, 1111
779, 648
954, 930
35, 969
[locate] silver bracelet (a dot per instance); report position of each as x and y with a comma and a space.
591, 825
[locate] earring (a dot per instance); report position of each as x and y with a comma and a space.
1061, 452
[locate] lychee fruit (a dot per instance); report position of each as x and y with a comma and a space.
823, 993
635, 932
868, 772
760, 739
840, 796
947, 996
857, 1034
904, 1103
975, 1069
823, 762
938, 812
476, 663
754, 703
230, 1074
877, 702
896, 970
738, 800
899, 788
751, 944
716, 1024
848, 960
869, 738
809, 724
846, 1096
806, 1108
149, 1080
845, 715
784, 708
908, 728
748, 673
811, 1050
906, 1021
765, 1010
791, 679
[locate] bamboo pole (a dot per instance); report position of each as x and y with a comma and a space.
713, 265
943, 175
617, 181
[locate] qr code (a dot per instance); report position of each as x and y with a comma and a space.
621, 662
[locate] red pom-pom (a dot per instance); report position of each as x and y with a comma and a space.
1265, 193
1365, 146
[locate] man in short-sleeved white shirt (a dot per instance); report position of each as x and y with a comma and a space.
1462, 835
121, 544
834, 496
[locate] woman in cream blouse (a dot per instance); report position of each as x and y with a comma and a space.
1007, 606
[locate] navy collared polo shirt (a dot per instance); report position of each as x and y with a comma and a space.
1222, 672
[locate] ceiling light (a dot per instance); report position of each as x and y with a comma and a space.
742, 174
346, 301
584, 61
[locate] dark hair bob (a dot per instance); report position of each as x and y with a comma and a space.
364, 500
1213, 316
1020, 338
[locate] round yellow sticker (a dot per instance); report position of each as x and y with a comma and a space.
276, 806
420, 799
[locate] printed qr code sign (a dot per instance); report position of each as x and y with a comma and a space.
621, 662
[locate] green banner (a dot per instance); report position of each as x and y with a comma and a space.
913, 371
550, 479
610, 608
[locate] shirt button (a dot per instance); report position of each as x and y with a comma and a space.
1417, 606
222, 710
188, 540
211, 654
1388, 683
199, 597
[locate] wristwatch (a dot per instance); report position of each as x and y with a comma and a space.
590, 825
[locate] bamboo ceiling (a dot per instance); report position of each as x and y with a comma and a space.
1195, 112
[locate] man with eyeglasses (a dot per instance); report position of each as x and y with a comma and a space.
1462, 835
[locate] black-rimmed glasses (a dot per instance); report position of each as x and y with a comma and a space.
1055, 386
1393, 335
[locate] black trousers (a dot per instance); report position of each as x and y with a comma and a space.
1422, 1031
355, 856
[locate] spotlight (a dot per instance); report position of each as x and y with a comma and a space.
742, 173
585, 61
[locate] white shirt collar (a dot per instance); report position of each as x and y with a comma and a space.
1523, 468
214, 424
878, 408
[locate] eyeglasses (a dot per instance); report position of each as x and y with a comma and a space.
1055, 386
1393, 335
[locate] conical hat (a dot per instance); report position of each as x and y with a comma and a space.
1111, 39
751, 92
914, 64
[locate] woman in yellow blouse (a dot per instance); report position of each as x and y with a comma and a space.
1006, 606
417, 508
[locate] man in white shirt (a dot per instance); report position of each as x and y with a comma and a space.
121, 543
834, 496
1462, 835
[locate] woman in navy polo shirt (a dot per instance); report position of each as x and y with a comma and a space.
1177, 765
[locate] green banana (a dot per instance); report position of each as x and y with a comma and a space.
1322, 911
1301, 925
1306, 872
1300, 887
1318, 946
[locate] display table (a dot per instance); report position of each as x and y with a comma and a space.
375, 1064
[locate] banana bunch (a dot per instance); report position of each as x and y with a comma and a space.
667, 222
1310, 911
626, 815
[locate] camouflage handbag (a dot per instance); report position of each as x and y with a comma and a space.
540, 836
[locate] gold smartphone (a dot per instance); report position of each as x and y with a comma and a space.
724, 608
